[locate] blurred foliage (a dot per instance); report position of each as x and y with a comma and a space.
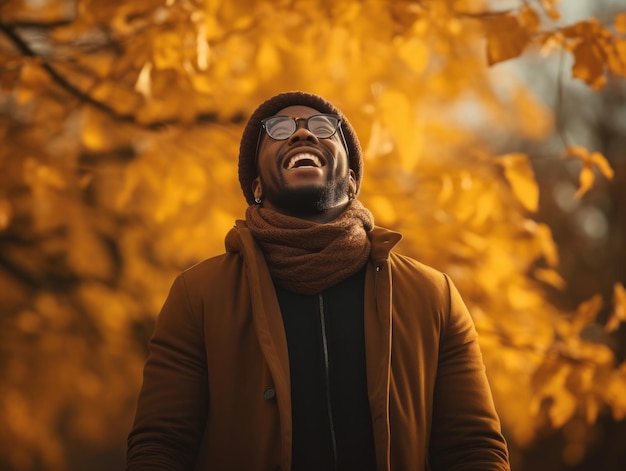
120, 125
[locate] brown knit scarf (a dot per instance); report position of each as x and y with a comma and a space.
306, 257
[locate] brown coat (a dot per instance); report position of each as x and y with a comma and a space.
216, 392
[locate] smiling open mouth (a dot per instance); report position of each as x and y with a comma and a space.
303, 160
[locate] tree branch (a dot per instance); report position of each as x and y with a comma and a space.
83, 96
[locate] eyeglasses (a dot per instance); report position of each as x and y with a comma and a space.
283, 127
280, 128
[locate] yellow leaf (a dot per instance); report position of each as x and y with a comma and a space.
268, 60
383, 210
202, 83
600, 161
551, 277
592, 407
203, 50
414, 53
553, 386
586, 313
585, 181
42, 177
93, 134
399, 117
447, 189
521, 298
33, 79
168, 50
618, 314
143, 84
506, 38
547, 245
563, 408
520, 175
87, 253
589, 160
616, 392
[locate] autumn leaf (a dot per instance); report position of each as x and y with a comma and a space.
595, 50
554, 394
620, 23
549, 249
616, 61
615, 392
520, 175
586, 313
529, 18
551, 277
384, 210
506, 38
589, 61
550, 8
414, 53
589, 161
618, 314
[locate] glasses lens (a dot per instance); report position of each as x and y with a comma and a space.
280, 127
323, 126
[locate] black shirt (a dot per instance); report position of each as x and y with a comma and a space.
332, 426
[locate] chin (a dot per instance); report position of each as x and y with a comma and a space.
310, 199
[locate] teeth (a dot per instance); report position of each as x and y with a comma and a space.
296, 158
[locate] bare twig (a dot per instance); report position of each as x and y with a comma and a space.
559, 101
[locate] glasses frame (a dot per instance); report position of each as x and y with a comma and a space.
306, 125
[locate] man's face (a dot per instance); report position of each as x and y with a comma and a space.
303, 175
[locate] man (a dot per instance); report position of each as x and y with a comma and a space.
310, 344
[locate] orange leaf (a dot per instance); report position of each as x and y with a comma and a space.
529, 18
618, 315
586, 313
549, 7
506, 38
617, 59
620, 23
589, 61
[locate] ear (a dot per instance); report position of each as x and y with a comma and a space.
257, 190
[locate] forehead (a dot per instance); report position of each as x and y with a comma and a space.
297, 111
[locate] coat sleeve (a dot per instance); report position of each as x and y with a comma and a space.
173, 402
465, 433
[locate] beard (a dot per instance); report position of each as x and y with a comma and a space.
310, 200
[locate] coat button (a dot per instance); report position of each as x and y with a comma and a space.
269, 393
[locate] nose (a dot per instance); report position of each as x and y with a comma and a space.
303, 134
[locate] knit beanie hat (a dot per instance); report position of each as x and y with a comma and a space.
250, 136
